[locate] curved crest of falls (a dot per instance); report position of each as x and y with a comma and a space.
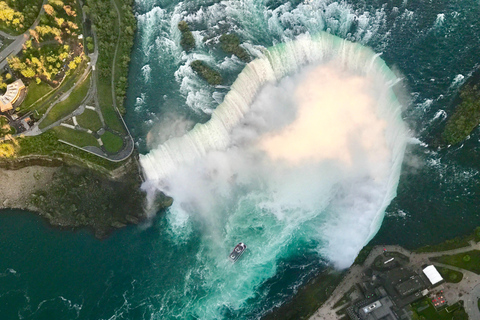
253, 174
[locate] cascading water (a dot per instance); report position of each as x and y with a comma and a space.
292, 221
307, 146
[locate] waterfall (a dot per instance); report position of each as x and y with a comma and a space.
306, 147
276, 63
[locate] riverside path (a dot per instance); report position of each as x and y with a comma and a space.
467, 290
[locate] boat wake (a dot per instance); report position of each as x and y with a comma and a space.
306, 148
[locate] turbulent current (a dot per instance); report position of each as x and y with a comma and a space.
300, 153
308, 143
306, 147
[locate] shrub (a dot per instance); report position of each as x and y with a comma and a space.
231, 44
207, 73
465, 118
188, 41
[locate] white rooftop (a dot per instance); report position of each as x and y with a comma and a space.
432, 274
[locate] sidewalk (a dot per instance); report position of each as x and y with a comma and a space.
468, 289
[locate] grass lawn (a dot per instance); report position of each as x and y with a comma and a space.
469, 260
67, 106
52, 93
363, 255
450, 275
47, 144
35, 92
78, 138
112, 142
431, 314
455, 243
89, 119
106, 105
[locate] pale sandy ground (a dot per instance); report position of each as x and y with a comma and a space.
16, 186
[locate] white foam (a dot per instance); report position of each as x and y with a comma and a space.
209, 150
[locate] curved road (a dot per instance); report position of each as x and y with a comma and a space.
128, 143
17, 45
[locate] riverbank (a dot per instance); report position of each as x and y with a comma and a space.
454, 291
318, 298
74, 197
19, 184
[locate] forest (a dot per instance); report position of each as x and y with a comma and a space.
54, 49
105, 19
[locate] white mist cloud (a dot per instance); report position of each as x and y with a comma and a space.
315, 158
311, 148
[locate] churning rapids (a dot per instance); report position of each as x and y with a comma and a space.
306, 147
297, 156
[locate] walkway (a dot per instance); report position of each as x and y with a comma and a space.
17, 45
468, 289
128, 143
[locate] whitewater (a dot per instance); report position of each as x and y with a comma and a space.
277, 171
298, 154
299, 209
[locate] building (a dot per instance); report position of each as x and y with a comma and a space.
11, 95
378, 310
433, 275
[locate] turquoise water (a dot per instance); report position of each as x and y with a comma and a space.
159, 272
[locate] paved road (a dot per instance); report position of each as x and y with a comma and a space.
7, 36
471, 303
468, 289
17, 45
128, 143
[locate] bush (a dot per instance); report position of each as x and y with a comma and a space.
207, 73
188, 41
477, 234
231, 44
466, 258
465, 118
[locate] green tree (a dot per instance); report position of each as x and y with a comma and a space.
28, 72
188, 41
465, 118
49, 10
231, 44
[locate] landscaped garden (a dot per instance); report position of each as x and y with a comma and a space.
54, 49
89, 119
67, 106
75, 137
16, 16
424, 310
469, 260
450, 275
111, 142
53, 61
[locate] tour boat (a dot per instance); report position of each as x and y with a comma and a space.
237, 251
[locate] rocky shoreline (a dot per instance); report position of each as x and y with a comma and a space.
74, 197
